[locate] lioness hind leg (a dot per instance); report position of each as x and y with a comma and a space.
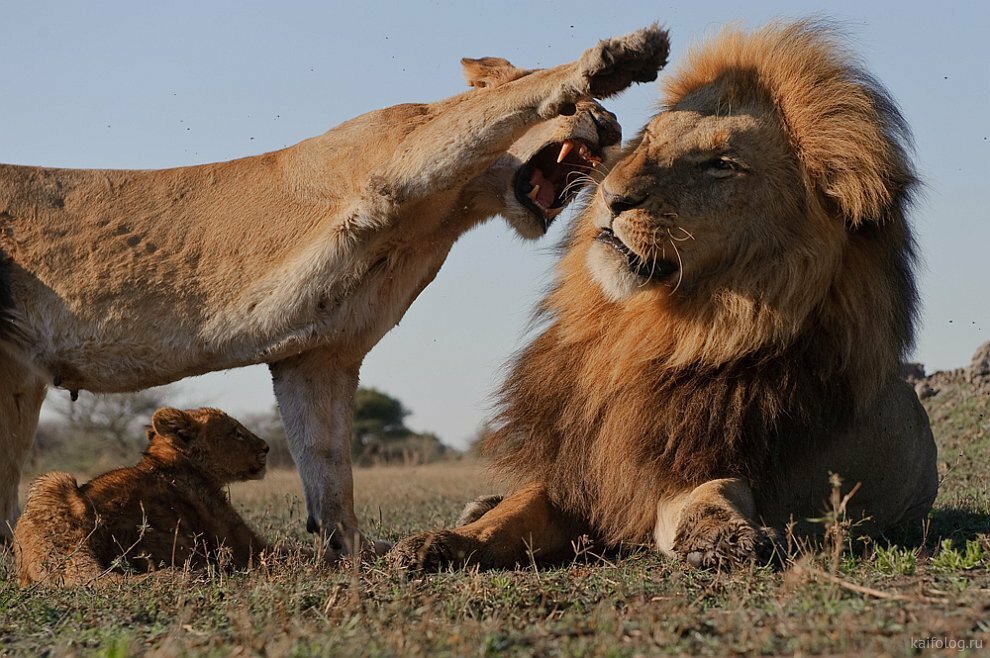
525, 526
21, 395
712, 526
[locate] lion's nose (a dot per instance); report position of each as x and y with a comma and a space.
619, 203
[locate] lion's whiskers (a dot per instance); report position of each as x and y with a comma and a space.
680, 263
577, 182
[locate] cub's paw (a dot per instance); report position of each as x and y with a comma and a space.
433, 550
616, 63
714, 537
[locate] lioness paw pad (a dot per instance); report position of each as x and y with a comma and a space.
614, 64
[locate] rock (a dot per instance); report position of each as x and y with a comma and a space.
925, 390
979, 367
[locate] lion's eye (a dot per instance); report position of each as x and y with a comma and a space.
721, 165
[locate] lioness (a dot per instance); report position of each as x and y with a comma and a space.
168, 510
726, 329
301, 258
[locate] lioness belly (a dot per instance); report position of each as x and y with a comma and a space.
130, 347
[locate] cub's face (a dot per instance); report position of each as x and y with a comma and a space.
216, 443
702, 200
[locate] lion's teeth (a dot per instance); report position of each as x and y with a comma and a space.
553, 212
565, 148
532, 194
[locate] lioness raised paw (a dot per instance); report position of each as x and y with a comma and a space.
616, 63
433, 550
609, 67
715, 537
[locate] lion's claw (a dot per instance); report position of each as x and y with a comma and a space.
432, 550
714, 537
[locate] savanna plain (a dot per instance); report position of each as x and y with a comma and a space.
927, 593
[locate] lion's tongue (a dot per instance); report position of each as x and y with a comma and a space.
545, 193
546, 196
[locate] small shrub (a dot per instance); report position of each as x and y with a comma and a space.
894, 560
949, 558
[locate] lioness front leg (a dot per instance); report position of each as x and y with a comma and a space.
524, 526
315, 395
711, 526
465, 134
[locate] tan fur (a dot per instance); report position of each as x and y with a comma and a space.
169, 510
704, 379
302, 258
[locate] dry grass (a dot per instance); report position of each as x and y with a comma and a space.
879, 600
392, 501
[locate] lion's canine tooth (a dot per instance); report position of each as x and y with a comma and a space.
532, 194
565, 148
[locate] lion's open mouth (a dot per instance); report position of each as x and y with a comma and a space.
649, 268
553, 177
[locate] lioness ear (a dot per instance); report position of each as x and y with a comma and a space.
490, 71
174, 422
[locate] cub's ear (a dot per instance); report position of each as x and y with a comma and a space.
490, 71
174, 422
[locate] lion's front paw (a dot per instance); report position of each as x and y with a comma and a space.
432, 550
713, 537
614, 64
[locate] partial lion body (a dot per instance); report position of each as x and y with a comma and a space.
168, 510
301, 259
253, 260
727, 327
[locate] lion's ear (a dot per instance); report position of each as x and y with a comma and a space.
490, 71
174, 422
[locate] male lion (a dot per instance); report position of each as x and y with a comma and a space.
168, 510
726, 328
302, 258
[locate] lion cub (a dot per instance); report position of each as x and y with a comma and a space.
168, 510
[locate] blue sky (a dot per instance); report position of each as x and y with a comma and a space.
148, 85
